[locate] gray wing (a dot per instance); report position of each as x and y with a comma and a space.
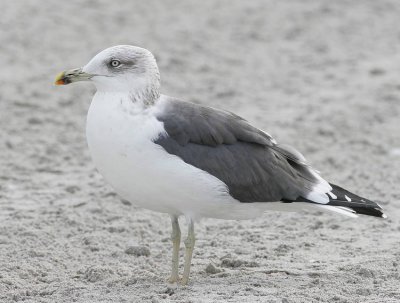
246, 159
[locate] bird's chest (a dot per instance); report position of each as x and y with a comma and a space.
120, 138
116, 128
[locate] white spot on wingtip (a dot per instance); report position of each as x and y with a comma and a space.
332, 195
347, 198
384, 216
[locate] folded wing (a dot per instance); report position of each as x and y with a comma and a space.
249, 161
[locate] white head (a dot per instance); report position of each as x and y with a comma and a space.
123, 68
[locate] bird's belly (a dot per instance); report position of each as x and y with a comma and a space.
145, 174
150, 178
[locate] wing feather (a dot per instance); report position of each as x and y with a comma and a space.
246, 159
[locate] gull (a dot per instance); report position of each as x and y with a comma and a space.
190, 160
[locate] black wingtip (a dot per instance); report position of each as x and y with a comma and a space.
341, 197
359, 204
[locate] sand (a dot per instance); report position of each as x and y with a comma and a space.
322, 76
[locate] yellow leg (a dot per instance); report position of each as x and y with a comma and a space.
189, 244
176, 242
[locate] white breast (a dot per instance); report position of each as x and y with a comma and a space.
119, 136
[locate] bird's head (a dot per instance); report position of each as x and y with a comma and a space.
122, 68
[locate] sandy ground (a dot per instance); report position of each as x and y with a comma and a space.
320, 75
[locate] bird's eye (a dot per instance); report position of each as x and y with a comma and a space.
115, 63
